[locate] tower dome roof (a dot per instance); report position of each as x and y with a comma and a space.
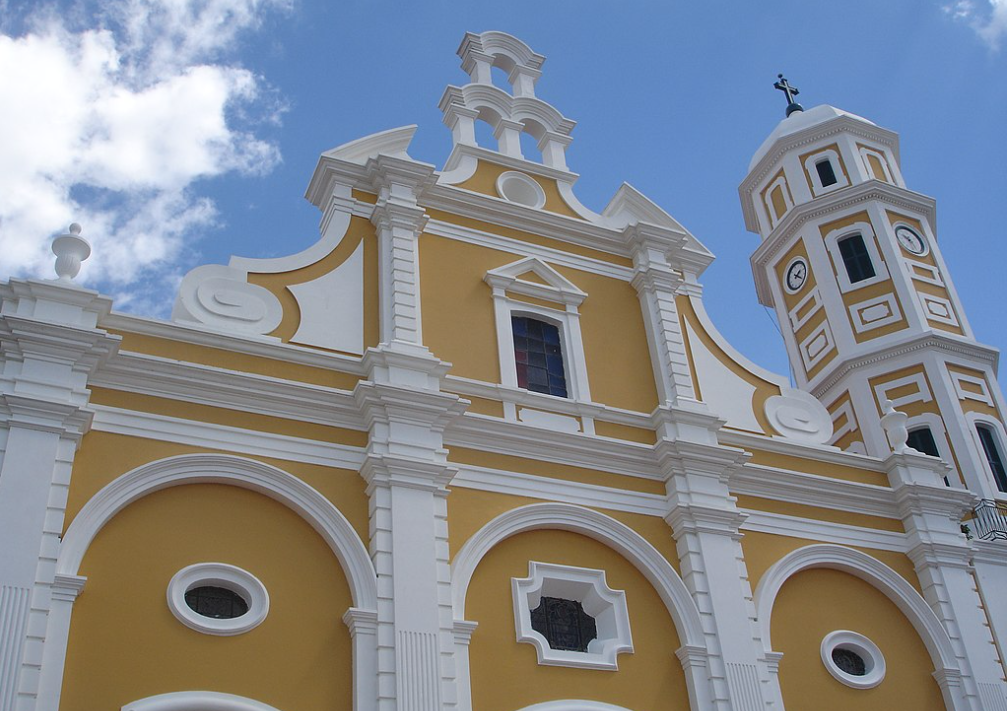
799, 121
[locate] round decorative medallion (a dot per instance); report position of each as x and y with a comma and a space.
911, 241
796, 275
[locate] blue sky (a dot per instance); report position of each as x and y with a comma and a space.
180, 132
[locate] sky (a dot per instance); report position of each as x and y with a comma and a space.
179, 132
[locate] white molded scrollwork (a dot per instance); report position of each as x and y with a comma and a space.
219, 296
798, 415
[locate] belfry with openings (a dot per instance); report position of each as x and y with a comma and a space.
480, 448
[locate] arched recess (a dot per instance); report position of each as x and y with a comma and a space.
270, 481
574, 705
872, 571
265, 479
593, 524
617, 536
197, 701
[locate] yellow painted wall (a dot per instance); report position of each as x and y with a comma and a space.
459, 325
506, 675
103, 456
125, 644
360, 229
485, 177
814, 603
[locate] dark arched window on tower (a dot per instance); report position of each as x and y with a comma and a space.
826, 173
538, 356
856, 258
991, 448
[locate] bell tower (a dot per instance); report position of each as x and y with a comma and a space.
850, 261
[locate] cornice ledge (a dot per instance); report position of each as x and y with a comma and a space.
949, 344
815, 490
520, 439
499, 212
386, 470
235, 342
794, 448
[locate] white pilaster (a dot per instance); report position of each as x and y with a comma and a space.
705, 523
656, 284
399, 221
51, 345
931, 514
407, 475
508, 135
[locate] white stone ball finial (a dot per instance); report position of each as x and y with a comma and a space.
894, 424
70, 249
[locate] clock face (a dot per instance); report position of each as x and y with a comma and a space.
910, 240
797, 274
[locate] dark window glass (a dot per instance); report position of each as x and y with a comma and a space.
993, 458
564, 624
922, 440
855, 258
826, 173
218, 603
849, 661
538, 356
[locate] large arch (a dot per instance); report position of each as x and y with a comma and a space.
232, 470
593, 524
872, 571
669, 586
197, 701
265, 479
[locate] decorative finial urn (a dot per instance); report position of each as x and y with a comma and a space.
894, 424
70, 249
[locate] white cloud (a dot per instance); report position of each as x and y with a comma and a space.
989, 21
111, 125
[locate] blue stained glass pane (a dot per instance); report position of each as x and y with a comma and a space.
555, 364
538, 356
558, 392
534, 327
537, 376
551, 335
520, 326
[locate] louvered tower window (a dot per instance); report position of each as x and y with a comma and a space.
826, 173
991, 449
856, 258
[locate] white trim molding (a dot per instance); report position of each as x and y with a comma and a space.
242, 583
589, 588
197, 701
874, 660
574, 705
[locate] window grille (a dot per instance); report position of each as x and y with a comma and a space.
564, 624
215, 602
538, 356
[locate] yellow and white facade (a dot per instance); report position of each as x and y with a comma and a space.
347, 439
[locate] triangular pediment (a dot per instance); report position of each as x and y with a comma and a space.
533, 277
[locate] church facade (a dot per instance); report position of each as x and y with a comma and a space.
480, 448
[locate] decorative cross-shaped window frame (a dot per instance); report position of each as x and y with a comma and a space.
591, 590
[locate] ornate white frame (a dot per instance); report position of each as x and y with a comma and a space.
874, 660
229, 577
526, 181
870, 243
567, 297
588, 587
811, 163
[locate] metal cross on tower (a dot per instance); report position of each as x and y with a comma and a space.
790, 92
